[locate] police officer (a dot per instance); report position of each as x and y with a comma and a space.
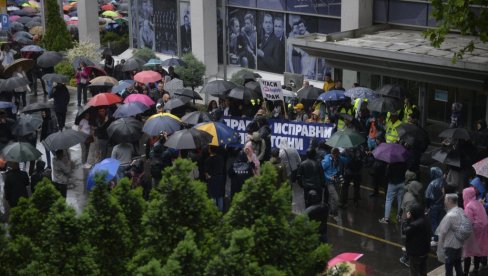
391, 135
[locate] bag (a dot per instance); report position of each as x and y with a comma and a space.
89, 139
241, 168
465, 228
83, 81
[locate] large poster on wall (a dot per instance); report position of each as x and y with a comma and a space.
146, 26
134, 24
297, 60
185, 28
271, 42
242, 38
165, 26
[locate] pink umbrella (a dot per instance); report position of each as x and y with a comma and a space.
139, 98
147, 76
14, 18
344, 257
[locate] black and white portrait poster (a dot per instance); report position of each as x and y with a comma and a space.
242, 38
146, 27
270, 50
134, 23
185, 28
297, 60
220, 34
165, 26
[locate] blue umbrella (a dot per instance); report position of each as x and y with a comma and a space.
32, 48
121, 87
153, 62
130, 109
360, 92
108, 165
7, 105
332, 96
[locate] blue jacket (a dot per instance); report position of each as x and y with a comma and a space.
434, 192
329, 169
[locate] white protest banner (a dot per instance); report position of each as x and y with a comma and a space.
271, 90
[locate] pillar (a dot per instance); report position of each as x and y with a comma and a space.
88, 28
204, 34
354, 15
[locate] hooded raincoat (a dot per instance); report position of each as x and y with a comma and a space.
477, 244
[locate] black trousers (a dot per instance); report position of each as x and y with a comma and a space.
418, 265
62, 188
61, 116
81, 89
356, 180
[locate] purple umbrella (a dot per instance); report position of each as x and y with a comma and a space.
391, 153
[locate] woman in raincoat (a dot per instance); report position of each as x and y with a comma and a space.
477, 245
434, 196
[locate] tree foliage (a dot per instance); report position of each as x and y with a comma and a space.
57, 37
469, 17
144, 54
192, 72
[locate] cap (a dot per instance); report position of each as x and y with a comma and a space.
316, 112
159, 105
299, 106
476, 182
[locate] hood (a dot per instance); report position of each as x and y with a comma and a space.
417, 211
415, 187
468, 195
410, 176
435, 172
476, 182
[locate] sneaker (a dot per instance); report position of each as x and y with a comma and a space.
404, 260
433, 243
404, 249
384, 221
86, 166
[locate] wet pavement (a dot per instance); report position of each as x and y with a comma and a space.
357, 229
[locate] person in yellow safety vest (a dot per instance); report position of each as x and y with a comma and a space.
347, 109
408, 110
329, 83
391, 135
357, 105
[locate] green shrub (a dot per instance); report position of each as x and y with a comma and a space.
116, 42
65, 68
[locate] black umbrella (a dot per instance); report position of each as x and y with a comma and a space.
64, 139
26, 124
244, 75
454, 134
188, 93
13, 83
84, 110
35, 107
49, 59
33, 23
176, 102
392, 90
243, 93
23, 40
17, 26
196, 117
218, 88
188, 139
173, 62
133, 63
413, 134
253, 85
20, 152
24, 19
53, 77
384, 104
309, 93
106, 51
447, 156
77, 60
125, 130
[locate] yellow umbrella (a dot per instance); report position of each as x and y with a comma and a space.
110, 14
164, 114
37, 30
34, 4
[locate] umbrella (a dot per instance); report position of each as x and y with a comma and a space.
121, 87
360, 92
344, 257
130, 109
13, 18
454, 134
309, 93
176, 102
147, 76
196, 117
7, 105
391, 153
23, 40
24, 19
12, 8
32, 48
103, 99
77, 60
108, 7
104, 81
254, 85
188, 139
37, 30
53, 77
161, 122
243, 93
64, 139
27, 124
12, 83
392, 90
244, 75
110, 14
109, 166
217, 88
84, 110
125, 130
17, 26
35, 107
140, 98
221, 133
481, 167
20, 152
349, 261
188, 93
346, 138
133, 63
332, 96
173, 85
384, 104
97, 71
153, 62
173, 62
24, 63
33, 24
49, 59
412, 131
448, 157
288, 93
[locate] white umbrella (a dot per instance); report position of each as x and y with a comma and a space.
173, 85
288, 93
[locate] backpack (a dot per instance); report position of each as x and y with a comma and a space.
465, 228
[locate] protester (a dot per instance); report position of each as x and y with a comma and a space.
433, 199
60, 95
417, 242
109, 65
395, 175
279, 166
48, 127
214, 171
103, 121
310, 177
39, 173
291, 159
301, 115
16, 184
20, 92
82, 80
258, 145
333, 165
245, 166
61, 172
123, 152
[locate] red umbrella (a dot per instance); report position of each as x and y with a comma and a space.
97, 71
104, 99
147, 76
139, 98
108, 7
